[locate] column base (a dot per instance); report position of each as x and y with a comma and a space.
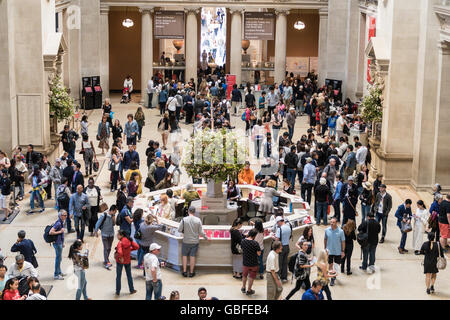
395, 167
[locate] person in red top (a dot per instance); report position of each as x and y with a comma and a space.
123, 260
11, 291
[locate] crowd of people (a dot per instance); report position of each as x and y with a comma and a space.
329, 172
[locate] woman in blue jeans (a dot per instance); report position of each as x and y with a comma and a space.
366, 198
36, 184
123, 260
80, 263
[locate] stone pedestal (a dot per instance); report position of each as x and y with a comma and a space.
214, 198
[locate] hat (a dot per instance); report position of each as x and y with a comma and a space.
278, 219
382, 185
350, 178
308, 160
154, 246
58, 160
367, 185
292, 109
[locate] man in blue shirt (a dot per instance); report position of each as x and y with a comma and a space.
337, 198
403, 214
126, 217
131, 130
162, 101
58, 230
283, 234
79, 203
309, 178
24, 246
335, 244
262, 105
314, 293
130, 156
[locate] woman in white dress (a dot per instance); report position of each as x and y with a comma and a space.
420, 223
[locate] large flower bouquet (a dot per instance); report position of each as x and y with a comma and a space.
61, 104
214, 155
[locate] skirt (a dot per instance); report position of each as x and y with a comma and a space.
103, 144
237, 263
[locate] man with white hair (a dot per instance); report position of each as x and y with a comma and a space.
56, 175
22, 268
322, 193
331, 171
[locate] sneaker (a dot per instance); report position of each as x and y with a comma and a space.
30, 212
261, 276
185, 274
191, 275
71, 231
382, 240
428, 291
42, 210
249, 293
106, 266
432, 289
62, 274
349, 273
361, 268
284, 280
58, 277
133, 292
243, 290
4, 219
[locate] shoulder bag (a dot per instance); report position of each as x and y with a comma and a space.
441, 263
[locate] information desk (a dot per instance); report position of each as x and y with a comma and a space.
217, 251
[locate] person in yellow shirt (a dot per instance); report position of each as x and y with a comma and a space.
246, 176
134, 168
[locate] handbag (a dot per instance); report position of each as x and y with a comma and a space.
406, 227
356, 212
97, 137
441, 263
85, 214
96, 166
112, 165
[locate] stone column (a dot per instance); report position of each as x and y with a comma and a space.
104, 50
191, 43
323, 34
441, 154
426, 97
280, 45
146, 51
351, 57
236, 44
90, 38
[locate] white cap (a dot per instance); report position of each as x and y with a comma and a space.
279, 218
154, 246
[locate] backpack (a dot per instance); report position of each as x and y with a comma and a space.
292, 263
243, 117
119, 220
47, 237
63, 200
363, 237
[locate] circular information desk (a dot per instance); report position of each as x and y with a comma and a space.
217, 251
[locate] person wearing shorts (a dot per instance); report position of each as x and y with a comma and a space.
334, 244
250, 253
191, 228
5, 196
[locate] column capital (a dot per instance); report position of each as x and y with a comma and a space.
192, 10
236, 10
284, 12
146, 10
323, 12
104, 9
444, 47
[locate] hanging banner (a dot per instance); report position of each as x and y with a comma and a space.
231, 80
259, 26
169, 25
372, 31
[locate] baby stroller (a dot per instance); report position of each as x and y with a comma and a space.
125, 96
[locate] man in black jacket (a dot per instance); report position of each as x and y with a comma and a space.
68, 171
291, 161
32, 158
381, 208
68, 138
372, 228
322, 196
349, 196
236, 99
78, 178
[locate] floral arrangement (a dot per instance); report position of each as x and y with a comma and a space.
372, 107
214, 155
61, 104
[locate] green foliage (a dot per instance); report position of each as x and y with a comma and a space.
61, 104
214, 155
372, 108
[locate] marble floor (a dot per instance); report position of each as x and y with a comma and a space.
397, 277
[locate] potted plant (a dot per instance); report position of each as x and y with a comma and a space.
372, 106
60, 103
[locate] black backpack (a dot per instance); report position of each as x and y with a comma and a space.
47, 237
63, 200
363, 237
292, 262
119, 220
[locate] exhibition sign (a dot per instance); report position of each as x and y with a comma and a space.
259, 25
169, 25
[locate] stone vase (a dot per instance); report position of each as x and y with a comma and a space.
214, 189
